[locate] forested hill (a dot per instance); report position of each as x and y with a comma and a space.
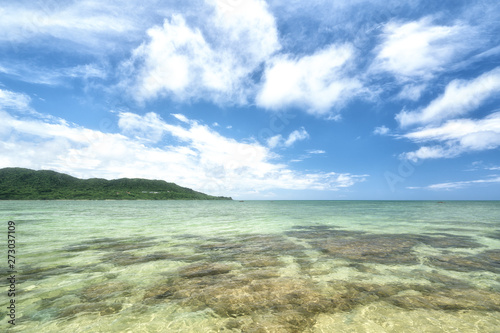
26, 184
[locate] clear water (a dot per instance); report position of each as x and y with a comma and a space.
254, 266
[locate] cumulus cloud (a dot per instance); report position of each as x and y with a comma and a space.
213, 61
315, 82
419, 49
459, 98
456, 137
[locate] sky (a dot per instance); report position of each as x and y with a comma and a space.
254, 99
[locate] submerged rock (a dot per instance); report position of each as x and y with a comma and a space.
204, 269
438, 279
492, 259
451, 299
112, 244
39, 273
260, 261
319, 232
487, 261
386, 249
254, 303
103, 291
445, 240
102, 308
127, 258
494, 235
289, 303
36, 273
271, 283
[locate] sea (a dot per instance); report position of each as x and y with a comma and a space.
250, 266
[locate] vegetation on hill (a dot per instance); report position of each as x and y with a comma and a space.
26, 184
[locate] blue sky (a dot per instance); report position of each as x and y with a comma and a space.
360, 99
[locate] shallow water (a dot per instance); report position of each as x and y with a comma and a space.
254, 266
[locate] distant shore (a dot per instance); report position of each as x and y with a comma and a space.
27, 184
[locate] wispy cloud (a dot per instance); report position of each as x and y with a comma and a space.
53, 76
459, 184
480, 165
280, 141
459, 98
13, 100
183, 118
316, 151
456, 137
412, 91
85, 21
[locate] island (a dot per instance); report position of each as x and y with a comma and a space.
27, 184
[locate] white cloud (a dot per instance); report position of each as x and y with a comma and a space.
203, 50
88, 23
432, 153
274, 141
459, 98
201, 159
144, 128
85, 71
459, 184
296, 135
53, 76
13, 100
412, 91
183, 118
420, 49
316, 151
315, 82
480, 165
309, 154
279, 141
381, 130
164, 68
248, 25
456, 137
213, 60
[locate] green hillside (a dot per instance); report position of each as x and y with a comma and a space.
26, 184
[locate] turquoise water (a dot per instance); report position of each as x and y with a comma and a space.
254, 266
